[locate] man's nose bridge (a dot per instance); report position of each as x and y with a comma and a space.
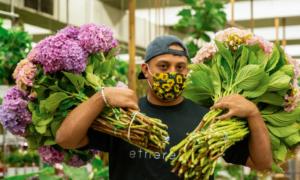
172, 68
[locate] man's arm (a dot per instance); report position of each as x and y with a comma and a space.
72, 133
259, 142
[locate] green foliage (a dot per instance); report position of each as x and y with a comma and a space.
199, 18
47, 170
14, 46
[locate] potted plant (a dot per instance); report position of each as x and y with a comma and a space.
28, 159
36, 161
11, 162
20, 163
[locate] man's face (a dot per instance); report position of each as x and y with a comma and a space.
166, 63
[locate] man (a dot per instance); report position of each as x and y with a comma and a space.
165, 54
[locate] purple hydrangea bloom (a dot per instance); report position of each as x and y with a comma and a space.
14, 115
75, 161
50, 155
60, 52
96, 38
70, 31
121, 84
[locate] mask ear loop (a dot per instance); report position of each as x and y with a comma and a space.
151, 75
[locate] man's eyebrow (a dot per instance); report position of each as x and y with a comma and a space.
162, 61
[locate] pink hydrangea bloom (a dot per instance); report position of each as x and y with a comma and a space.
24, 74
75, 161
267, 46
206, 52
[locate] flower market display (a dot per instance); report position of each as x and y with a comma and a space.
61, 72
240, 63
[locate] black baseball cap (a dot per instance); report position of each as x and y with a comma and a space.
160, 45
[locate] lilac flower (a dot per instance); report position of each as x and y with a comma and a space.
75, 161
96, 38
60, 52
121, 84
14, 115
70, 32
50, 155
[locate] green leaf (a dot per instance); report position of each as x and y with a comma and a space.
200, 67
199, 95
225, 53
55, 124
111, 52
66, 104
42, 108
32, 144
47, 170
283, 118
278, 81
244, 57
93, 79
292, 140
285, 131
255, 48
41, 129
41, 120
260, 89
276, 168
249, 77
262, 58
288, 69
54, 100
216, 80
50, 141
185, 12
97, 163
31, 106
275, 142
270, 98
280, 153
252, 58
281, 61
203, 80
205, 37
282, 92
40, 90
103, 69
273, 60
76, 173
270, 109
89, 68
76, 80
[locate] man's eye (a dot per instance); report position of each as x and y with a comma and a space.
163, 66
180, 67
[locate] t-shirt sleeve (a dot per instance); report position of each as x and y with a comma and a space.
98, 141
238, 153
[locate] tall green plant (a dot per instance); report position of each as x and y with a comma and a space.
14, 46
199, 18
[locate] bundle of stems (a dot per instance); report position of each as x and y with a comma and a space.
133, 127
199, 152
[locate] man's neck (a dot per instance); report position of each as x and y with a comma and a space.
152, 98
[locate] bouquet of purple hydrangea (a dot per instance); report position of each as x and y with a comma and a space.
61, 72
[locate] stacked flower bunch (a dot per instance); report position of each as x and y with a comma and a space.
248, 65
61, 72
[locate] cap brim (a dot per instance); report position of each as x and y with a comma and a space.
141, 75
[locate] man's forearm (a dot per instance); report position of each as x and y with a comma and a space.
74, 128
259, 143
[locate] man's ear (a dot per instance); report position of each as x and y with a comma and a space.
145, 70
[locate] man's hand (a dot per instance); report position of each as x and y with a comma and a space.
237, 105
121, 97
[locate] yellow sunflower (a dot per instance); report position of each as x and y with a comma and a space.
160, 95
156, 84
155, 88
169, 96
166, 87
176, 88
171, 82
184, 76
179, 79
172, 73
160, 90
156, 76
163, 76
184, 84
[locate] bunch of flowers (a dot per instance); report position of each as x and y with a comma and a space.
248, 65
61, 72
